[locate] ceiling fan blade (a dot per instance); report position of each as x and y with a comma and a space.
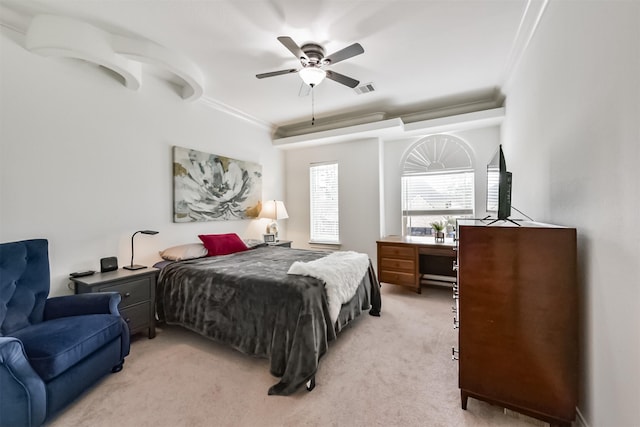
346, 53
276, 73
293, 48
305, 89
341, 78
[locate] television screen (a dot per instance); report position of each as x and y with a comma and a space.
498, 186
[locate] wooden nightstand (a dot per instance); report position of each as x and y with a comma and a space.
137, 289
283, 243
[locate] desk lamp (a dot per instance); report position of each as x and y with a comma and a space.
137, 266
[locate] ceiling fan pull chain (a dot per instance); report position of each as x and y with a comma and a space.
313, 115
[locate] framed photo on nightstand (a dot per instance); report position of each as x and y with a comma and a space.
269, 238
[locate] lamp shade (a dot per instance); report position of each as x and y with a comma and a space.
312, 76
273, 209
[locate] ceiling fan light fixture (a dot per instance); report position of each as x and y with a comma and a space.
312, 76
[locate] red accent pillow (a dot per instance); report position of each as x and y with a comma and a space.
222, 244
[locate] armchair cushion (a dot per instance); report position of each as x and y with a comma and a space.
56, 345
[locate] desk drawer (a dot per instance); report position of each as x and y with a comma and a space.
444, 251
389, 251
398, 278
131, 292
137, 316
397, 264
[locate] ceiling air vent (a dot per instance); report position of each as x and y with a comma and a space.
365, 88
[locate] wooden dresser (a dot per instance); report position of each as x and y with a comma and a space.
517, 318
402, 260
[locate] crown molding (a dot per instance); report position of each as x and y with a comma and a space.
225, 108
395, 128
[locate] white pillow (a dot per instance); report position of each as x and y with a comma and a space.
183, 252
252, 243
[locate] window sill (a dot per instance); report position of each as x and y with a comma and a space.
320, 244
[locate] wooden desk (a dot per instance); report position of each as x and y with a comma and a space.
403, 260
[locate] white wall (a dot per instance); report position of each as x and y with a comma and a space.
483, 143
572, 141
85, 162
358, 193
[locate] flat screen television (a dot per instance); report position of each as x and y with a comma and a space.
498, 186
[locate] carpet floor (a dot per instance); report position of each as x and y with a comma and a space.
395, 370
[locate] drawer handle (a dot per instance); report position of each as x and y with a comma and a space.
127, 294
128, 320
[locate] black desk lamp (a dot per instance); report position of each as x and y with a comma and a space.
137, 266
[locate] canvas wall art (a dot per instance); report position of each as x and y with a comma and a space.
208, 187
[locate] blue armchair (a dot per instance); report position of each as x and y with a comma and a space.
51, 350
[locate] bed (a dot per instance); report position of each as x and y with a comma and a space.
248, 300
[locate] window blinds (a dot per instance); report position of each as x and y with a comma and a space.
438, 194
324, 203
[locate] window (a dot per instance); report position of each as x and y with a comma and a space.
325, 227
437, 184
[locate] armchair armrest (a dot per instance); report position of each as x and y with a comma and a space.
77, 305
24, 400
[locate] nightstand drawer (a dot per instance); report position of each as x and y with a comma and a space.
132, 292
137, 316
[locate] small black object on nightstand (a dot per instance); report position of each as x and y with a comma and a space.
81, 273
108, 264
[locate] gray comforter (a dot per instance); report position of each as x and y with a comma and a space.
247, 300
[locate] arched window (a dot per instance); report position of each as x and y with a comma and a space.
437, 184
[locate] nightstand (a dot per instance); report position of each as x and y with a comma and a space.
283, 243
137, 289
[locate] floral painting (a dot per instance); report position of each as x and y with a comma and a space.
208, 187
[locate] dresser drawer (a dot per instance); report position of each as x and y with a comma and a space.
136, 316
398, 278
132, 292
390, 251
396, 264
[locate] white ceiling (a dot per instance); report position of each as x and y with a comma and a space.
419, 55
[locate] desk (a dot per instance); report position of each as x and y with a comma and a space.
402, 260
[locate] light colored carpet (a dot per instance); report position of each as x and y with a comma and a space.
395, 370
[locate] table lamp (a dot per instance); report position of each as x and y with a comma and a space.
137, 266
275, 210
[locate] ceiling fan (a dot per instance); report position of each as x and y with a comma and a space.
311, 56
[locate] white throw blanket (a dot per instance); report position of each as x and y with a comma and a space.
341, 272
